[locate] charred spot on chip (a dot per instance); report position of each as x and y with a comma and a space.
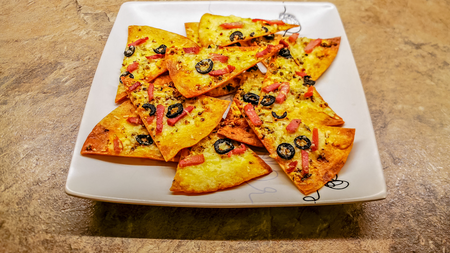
236, 45
174, 110
161, 49
307, 81
267, 100
129, 51
270, 37
150, 107
286, 151
254, 68
223, 146
302, 142
144, 139
284, 52
274, 114
237, 35
204, 66
251, 98
125, 74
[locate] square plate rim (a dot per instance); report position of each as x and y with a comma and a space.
378, 196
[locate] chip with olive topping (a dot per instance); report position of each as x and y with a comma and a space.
216, 163
225, 30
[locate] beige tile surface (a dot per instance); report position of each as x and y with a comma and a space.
49, 51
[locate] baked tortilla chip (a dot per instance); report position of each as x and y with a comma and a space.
226, 30
295, 129
236, 128
144, 54
195, 73
314, 63
116, 135
285, 70
218, 171
192, 31
200, 114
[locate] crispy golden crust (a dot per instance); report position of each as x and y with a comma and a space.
226, 88
283, 70
115, 125
317, 62
211, 32
205, 116
192, 31
324, 164
334, 143
148, 69
218, 172
236, 128
191, 83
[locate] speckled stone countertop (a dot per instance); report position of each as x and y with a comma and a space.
49, 51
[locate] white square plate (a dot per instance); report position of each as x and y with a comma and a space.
141, 181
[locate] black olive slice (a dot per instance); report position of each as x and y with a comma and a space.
302, 142
174, 110
125, 74
236, 36
279, 117
223, 146
308, 81
204, 66
144, 139
269, 37
265, 29
286, 151
285, 53
152, 108
268, 100
252, 34
129, 51
251, 98
253, 68
161, 49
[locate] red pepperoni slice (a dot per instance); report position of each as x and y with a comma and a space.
293, 125
138, 42
135, 120
312, 44
293, 37
271, 87
132, 67
237, 151
192, 160
250, 111
284, 90
172, 121
159, 118
191, 50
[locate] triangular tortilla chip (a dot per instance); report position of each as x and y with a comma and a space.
226, 30
195, 73
192, 31
218, 171
186, 132
116, 135
284, 126
236, 128
315, 62
285, 70
147, 61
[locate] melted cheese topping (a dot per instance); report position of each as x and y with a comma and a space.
211, 33
218, 171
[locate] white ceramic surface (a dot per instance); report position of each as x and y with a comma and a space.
141, 181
